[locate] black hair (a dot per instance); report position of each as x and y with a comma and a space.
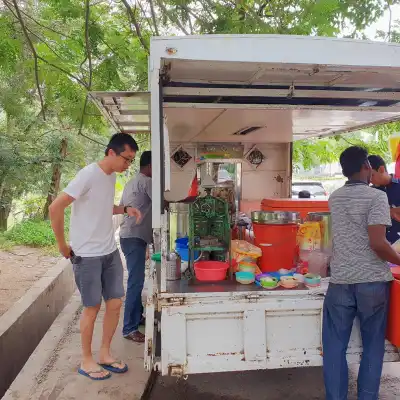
304, 194
118, 142
145, 159
352, 159
376, 162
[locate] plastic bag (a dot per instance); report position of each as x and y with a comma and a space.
243, 251
309, 236
246, 249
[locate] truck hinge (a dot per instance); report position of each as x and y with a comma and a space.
175, 370
252, 298
149, 347
176, 301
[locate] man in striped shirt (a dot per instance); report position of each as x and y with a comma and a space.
360, 277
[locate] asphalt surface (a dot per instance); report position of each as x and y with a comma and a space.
287, 384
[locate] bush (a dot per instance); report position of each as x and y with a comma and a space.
33, 233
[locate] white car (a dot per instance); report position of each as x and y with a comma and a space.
316, 190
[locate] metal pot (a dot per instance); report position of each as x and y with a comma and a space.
178, 222
325, 219
174, 267
275, 217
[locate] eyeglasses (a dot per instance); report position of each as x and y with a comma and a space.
127, 160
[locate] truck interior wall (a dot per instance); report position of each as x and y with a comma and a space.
181, 178
270, 179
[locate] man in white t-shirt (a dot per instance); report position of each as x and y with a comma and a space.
93, 251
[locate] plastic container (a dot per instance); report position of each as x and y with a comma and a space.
182, 248
393, 324
318, 263
247, 267
210, 271
245, 278
302, 206
312, 280
269, 282
278, 245
289, 282
395, 271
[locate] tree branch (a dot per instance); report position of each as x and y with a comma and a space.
93, 140
89, 58
389, 35
40, 24
144, 13
35, 56
153, 17
134, 22
72, 76
171, 17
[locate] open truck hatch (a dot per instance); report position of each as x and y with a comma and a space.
276, 102
127, 112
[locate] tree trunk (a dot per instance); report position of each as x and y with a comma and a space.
5, 208
55, 178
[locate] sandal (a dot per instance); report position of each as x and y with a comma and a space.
112, 367
89, 374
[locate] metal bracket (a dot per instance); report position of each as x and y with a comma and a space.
176, 301
253, 298
175, 370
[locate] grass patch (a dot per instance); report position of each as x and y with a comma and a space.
34, 233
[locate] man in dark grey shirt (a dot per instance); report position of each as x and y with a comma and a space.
360, 277
134, 240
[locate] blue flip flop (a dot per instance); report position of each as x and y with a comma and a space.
87, 374
115, 370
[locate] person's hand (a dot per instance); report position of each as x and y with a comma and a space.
65, 250
134, 212
395, 213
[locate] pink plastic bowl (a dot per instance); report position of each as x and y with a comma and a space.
211, 271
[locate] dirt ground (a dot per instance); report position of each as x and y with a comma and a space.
19, 269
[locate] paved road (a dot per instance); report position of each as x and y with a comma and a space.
294, 384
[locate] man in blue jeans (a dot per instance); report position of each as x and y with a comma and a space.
134, 240
360, 276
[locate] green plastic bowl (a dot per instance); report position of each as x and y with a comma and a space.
264, 282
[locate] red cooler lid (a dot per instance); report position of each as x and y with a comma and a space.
295, 204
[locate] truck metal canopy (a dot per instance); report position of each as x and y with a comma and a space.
127, 112
273, 88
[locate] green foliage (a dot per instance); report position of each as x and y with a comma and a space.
109, 51
35, 233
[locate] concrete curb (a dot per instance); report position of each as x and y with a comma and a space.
23, 326
45, 354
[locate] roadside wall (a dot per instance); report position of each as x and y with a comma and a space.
23, 326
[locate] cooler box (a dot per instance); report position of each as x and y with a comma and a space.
393, 325
302, 206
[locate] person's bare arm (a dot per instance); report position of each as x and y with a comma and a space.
56, 212
395, 213
380, 245
131, 211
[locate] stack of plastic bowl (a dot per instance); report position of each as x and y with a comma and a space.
245, 278
312, 281
289, 282
247, 266
268, 282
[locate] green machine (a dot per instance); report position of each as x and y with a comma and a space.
209, 228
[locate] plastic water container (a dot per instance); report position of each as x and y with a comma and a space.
182, 248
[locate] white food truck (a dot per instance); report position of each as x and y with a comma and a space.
261, 92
